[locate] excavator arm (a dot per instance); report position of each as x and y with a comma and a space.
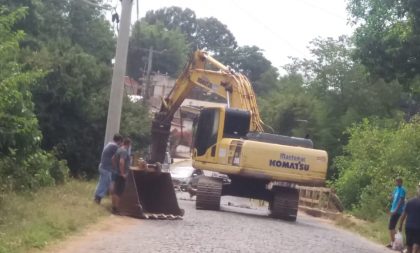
203, 71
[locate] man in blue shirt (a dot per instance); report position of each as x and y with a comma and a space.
106, 167
122, 162
397, 206
412, 225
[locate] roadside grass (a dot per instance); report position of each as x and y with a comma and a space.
30, 221
376, 231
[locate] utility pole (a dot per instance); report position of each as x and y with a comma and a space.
137, 8
117, 87
149, 69
147, 87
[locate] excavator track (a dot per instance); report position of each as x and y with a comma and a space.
285, 203
209, 191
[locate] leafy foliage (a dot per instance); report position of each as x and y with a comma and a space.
387, 44
250, 61
63, 65
201, 33
18, 124
174, 18
378, 151
326, 94
135, 123
65, 100
214, 36
169, 45
387, 38
23, 165
72, 43
292, 110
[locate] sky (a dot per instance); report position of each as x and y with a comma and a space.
282, 28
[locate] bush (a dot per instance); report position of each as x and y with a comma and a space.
377, 153
37, 170
135, 124
23, 165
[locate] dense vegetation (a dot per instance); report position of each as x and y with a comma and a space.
23, 164
356, 96
55, 78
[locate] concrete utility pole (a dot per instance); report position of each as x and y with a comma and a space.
147, 87
137, 8
117, 87
149, 69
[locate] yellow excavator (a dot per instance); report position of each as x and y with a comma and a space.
228, 140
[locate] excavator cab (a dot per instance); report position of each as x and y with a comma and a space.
217, 123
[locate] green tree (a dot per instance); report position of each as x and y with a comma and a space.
45, 20
135, 123
170, 45
214, 36
324, 95
201, 33
350, 95
377, 152
65, 101
175, 18
73, 43
23, 165
267, 81
292, 110
387, 38
18, 124
387, 44
90, 30
250, 61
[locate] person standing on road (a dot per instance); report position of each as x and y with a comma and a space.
412, 225
397, 206
122, 161
106, 167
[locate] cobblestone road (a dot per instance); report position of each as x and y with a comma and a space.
233, 229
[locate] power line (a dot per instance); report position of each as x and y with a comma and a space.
331, 13
257, 20
103, 6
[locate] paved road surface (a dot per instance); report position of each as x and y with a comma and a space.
233, 229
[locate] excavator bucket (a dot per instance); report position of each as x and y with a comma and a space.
150, 195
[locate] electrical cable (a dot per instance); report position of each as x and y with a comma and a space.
103, 6
115, 17
331, 13
257, 20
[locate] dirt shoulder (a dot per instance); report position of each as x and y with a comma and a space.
111, 224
